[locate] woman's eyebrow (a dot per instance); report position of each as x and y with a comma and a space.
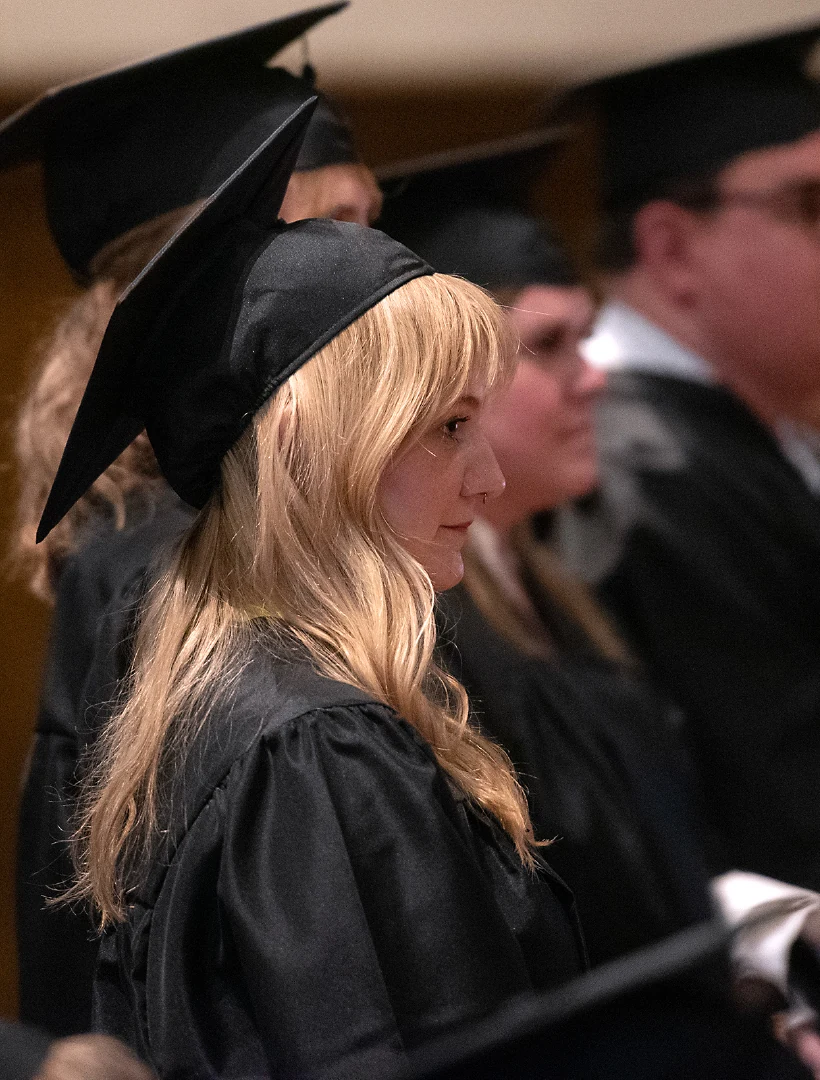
470, 400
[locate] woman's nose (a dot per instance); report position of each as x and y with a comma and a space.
483, 475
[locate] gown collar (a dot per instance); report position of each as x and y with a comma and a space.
623, 340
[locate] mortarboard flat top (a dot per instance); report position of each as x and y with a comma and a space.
691, 115
229, 309
663, 1011
131, 144
527, 151
465, 211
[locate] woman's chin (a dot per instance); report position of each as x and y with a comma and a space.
447, 573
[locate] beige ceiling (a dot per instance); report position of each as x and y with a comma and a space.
47, 41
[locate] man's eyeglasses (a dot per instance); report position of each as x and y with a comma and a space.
797, 204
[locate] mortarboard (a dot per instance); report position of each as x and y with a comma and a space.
230, 308
134, 143
693, 114
465, 211
659, 1013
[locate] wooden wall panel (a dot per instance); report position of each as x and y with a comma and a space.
33, 288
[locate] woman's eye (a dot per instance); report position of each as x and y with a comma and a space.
452, 426
549, 342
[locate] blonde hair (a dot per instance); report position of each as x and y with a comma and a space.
295, 532
133, 481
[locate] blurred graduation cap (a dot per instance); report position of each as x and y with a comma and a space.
134, 143
691, 115
226, 312
465, 211
659, 1013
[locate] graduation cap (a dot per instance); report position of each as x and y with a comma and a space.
129, 145
659, 1013
465, 212
692, 115
227, 311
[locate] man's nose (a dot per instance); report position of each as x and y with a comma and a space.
589, 380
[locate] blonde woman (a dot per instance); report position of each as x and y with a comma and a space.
87, 565
305, 857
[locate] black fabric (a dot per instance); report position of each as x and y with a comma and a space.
705, 544
88, 654
654, 1035
494, 246
603, 777
328, 141
324, 899
297, 289
674, 1029
692, 115
227, 312
22, 1051
465, 212
663, 1013
122, 148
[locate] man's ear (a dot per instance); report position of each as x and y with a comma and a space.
664, 236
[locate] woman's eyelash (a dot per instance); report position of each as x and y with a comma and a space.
452, 425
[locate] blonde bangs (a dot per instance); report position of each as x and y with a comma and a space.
457, 336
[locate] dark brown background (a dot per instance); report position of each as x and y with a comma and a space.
391, 124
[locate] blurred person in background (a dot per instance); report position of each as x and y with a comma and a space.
126, 157
547, 674
28, 1054
703, 540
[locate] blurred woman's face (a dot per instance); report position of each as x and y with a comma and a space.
438, 484
542, 427
346, 192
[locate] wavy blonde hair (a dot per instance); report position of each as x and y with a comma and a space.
295, 532
133, 481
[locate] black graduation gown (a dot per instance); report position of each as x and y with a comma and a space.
705, 544
325, 900
602, 775
664, 1014
57, 948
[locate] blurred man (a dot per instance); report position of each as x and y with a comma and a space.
704, 539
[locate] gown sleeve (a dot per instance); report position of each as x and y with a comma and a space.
363, 910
